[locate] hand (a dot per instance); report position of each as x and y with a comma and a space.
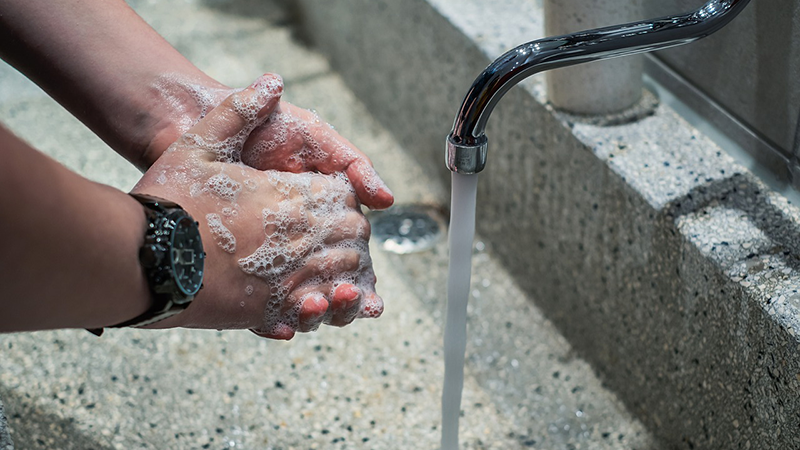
296, 140
293, 139
285, 252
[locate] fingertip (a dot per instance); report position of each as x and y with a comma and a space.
269, 88
375, 199
281, 332
243, 110
383, 199
372, 306
345, 305
371, 189
313, 311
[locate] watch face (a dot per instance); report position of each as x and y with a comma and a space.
187, 256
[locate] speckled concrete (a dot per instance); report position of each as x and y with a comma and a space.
667, 265
5, 438
373, 385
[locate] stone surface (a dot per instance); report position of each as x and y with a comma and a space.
375, 384
667, 265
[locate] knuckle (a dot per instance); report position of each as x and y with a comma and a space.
350, 260
363, 227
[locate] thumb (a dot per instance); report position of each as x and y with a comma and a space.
226, 127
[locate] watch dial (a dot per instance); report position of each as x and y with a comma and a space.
187, 255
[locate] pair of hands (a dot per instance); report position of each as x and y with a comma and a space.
277, 193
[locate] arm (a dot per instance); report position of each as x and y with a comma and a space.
105, 65
110, 69
69, 246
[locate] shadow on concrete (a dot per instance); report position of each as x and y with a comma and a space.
283, 13
33, 428
743, 193
277, 12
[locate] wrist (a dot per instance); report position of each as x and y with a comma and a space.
126, 285
173, 104
172, 259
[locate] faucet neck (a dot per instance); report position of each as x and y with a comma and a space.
585, 46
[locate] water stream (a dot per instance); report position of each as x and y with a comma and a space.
462, 231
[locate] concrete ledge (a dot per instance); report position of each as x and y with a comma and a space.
666, 264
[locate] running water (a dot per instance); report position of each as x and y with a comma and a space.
462, 231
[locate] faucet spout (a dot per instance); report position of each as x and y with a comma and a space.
467, 142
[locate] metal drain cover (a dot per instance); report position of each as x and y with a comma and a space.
407, 228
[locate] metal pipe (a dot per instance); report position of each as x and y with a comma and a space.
467, 142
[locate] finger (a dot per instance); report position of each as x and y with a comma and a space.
371, 306
355, 226
277, 144
239, 113
325, 264
295, 140
371, 189
345, 305
337, 154
280, 331
313, 311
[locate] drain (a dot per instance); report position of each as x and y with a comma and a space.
407, 228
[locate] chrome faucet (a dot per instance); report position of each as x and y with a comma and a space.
467, 143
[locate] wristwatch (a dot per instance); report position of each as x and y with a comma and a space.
172, 259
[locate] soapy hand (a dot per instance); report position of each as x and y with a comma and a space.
285, 251
292, 139
297, 140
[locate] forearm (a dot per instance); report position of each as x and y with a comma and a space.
69, 246
102, 62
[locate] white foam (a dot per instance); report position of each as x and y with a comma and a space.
187, 100
223, 186
250, 184
162, 178
222, 235
195, 189
295, 233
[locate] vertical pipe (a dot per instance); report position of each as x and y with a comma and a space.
601, 87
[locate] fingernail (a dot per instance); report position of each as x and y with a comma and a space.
349, 292
320, 304
315, 308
